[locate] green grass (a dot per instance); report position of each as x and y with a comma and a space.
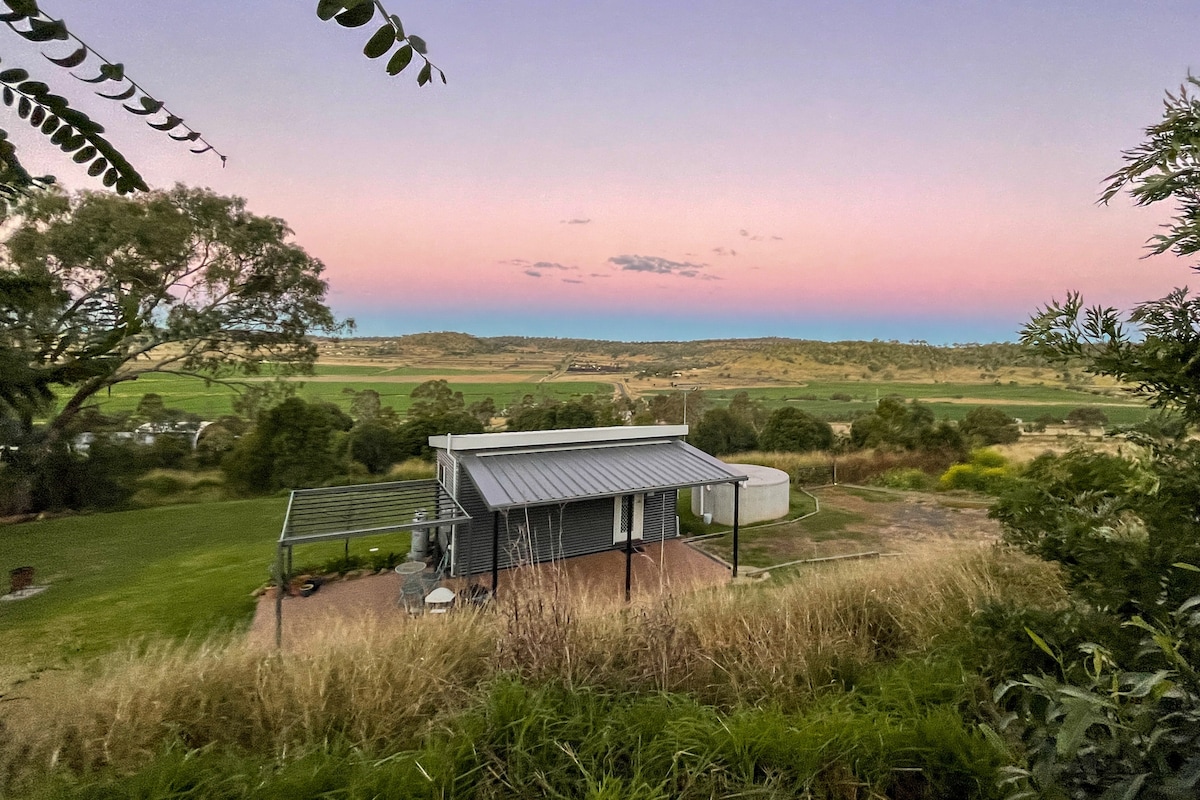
1024, 401
213, 400
169, 572
760, 546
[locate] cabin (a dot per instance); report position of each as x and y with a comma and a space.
539, 496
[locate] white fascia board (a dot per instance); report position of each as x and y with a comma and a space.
578, 436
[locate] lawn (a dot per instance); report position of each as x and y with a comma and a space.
161, 572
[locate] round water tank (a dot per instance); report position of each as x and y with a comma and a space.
764, 495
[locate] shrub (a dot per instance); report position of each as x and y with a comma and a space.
987, 472
909, 478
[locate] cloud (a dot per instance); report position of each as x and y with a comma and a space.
533, 273
576, 221
721, 251
516, 262
571, 280
552, 265
776, 238
660, 266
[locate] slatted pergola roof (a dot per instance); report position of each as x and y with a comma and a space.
345, 512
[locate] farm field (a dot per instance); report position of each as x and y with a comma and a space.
334, 383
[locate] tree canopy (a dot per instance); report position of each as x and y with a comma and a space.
1155, 348
181, 281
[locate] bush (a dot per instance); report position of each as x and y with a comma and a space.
989, 425
789, 429
909, 478
987, 472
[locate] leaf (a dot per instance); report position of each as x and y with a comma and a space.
110, 177
172, 121
442, 75
327, 8
399, 60
44, 30
24, 107
98, 166
190, 136
37, 117
9, 96
50, 125
425, 75
418, 44
123, 95
149, 106
26, 8
357, 16
86, 154
14, 75
380, 42
1041, 643
399, 27
1185, 565
34, 89
71, 61
61, 135
1126, 789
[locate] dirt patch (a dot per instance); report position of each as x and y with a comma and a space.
899, 518
854, 520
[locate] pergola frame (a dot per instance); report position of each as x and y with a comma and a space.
350, 512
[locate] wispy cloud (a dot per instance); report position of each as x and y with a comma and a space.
533, 273
539, 269
724, 251
575, 221
571, 280
552, 265
660, 266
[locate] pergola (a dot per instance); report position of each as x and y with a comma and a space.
349, 512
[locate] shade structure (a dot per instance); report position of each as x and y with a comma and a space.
519, 479
341, 512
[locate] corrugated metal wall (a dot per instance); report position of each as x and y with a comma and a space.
543, 533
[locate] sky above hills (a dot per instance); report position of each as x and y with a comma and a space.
670, 170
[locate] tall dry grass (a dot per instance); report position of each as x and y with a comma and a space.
857, 467
377, 684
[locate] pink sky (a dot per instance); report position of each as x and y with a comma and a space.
674, 170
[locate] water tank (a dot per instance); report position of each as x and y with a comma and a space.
764, 495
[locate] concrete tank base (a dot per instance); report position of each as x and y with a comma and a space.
765, 495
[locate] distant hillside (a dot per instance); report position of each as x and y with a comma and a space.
712, 362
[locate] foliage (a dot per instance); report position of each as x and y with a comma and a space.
987, 472
292, 446
906, 426
987, 425
76, 134
909, 478
1087, 417
1154, 349
1118, 731
720, 432
1115, 525
181, 281
792, 430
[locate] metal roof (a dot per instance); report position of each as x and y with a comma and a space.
342, 512
516, 479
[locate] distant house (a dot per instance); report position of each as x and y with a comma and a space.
543, 495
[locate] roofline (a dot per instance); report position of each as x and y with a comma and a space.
580, 436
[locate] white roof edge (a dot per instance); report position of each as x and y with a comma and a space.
581, 436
